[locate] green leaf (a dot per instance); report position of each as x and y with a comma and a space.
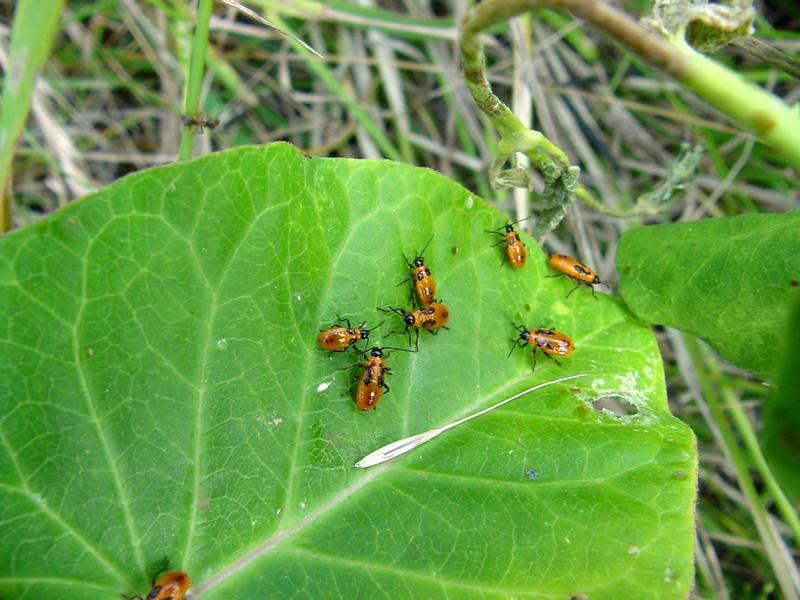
163, 396
728, 281
781, 415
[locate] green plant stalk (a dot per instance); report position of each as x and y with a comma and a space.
195, 80
747, 434
704, 361
753, 108
364, 17
35, 26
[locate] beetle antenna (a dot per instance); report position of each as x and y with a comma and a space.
399, 349
521, 220
426, 246
397, 311
376, 326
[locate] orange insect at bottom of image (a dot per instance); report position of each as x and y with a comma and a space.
171, 586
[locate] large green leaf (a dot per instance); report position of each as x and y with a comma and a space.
728, 281
782, 410
162, 395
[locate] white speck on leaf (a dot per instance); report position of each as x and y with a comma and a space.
297, 297
634, 550
323, 386
469, 202
222, 344
302, 506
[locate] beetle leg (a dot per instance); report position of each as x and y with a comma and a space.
553, 358
514, 344
575, 288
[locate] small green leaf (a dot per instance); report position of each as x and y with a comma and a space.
728, 281
782, 411
163, 396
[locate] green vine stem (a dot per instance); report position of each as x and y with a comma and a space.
35, 25
194, 81
755, 109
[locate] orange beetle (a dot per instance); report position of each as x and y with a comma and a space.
338, 339
551, 342
515, 249
433, 317
424, 283
171, 586
371, 383
583, 275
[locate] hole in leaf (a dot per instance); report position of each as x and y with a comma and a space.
616, 405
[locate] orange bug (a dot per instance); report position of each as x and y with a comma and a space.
515, 249
171, 586
338, 339
424, 283
372, 382
583, 275
432, 317
551, 342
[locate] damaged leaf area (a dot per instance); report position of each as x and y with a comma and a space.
163, 395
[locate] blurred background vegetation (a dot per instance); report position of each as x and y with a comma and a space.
111, 97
